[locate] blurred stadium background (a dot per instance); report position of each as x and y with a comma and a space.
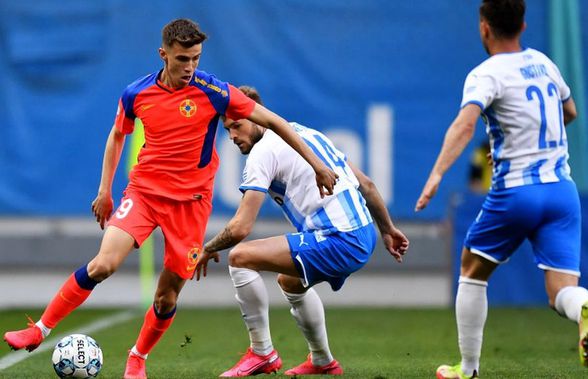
382, 78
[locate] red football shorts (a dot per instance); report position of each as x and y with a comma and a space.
183, 224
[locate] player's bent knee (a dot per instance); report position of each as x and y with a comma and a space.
165, 303
239, 257
99, 269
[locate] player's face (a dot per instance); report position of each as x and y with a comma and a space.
180, 63
244, 133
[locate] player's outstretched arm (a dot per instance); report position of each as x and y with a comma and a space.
325, 177
102, 205
457, 138
395, 241
236, 230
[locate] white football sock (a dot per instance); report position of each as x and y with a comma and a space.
307, 309
569, 301
44, 330
471, 309
254, 303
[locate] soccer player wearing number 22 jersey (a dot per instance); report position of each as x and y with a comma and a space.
525, 104
170, 187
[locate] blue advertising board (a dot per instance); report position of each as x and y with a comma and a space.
382, 78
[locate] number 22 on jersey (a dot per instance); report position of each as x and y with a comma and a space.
553, 104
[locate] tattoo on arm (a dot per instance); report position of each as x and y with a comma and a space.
221, 241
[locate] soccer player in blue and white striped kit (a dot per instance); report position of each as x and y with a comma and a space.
335, 238
525, 104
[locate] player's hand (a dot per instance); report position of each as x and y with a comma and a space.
326, 180
202, 262
396, 243
429, 190
102, 207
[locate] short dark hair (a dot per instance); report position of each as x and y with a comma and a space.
251, 93
506, 17
183, 31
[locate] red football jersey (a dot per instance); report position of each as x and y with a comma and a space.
179, 158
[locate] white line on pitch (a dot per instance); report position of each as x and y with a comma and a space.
18, 356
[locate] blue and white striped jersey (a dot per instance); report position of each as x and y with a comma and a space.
274, 167
521, 96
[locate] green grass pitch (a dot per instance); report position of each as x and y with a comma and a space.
370, 343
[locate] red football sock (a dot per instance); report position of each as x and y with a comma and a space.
152, 329
69, 297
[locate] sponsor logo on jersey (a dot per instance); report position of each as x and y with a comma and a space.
302, 243
187, 108
211, 86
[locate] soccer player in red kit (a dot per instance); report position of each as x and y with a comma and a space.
170, 187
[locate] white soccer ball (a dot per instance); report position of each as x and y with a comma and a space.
77, 356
